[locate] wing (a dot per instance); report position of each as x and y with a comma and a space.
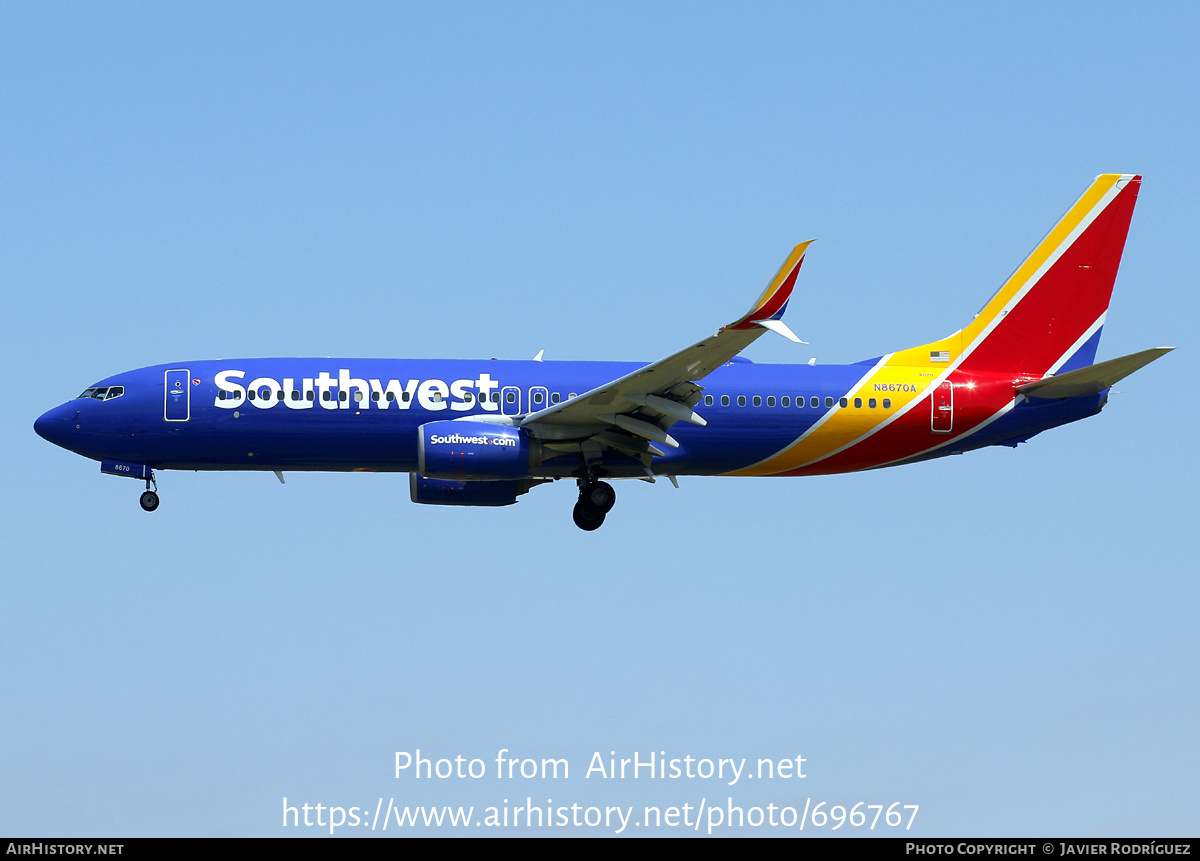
633, 412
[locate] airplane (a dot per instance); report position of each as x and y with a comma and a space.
484, 432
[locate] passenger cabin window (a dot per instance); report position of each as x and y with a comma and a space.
887, 403
741, 400
708, 400
724, 400
858, 403
843, 403
785, 401
537, 397
828, 402
770, 400
555, 398
871, 402
312, 396
511, 397
757, 401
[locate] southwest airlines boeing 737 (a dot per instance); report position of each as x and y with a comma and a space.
483, 432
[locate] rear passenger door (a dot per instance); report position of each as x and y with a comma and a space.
942, 420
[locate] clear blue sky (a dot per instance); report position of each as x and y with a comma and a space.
1007, 639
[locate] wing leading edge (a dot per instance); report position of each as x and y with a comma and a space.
635, 411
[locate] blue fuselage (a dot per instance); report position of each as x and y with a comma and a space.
363, 414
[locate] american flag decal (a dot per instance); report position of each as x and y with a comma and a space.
939, 355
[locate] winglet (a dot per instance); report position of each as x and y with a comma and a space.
780, 328
773, 301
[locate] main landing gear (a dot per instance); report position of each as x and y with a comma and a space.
596, 499
149, 499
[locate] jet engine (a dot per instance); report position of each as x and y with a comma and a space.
440, 491
472, 451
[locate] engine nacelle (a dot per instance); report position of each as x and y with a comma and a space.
440, 491
472, 451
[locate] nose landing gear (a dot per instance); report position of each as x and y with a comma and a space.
596, 499
149, 498
136, 471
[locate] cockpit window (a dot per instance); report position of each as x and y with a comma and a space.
103, 393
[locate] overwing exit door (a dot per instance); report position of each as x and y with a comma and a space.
510, 401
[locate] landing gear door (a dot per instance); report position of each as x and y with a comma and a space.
177, 400
510, 401
942, 420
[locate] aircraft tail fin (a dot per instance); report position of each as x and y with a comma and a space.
1047, 317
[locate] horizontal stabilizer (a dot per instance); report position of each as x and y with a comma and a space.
1092, 379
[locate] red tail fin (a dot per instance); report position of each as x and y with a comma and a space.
1047, 316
